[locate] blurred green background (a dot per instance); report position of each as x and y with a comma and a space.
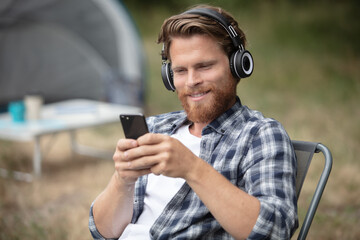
307, 76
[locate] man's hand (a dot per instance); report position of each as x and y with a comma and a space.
155, 153
123, 172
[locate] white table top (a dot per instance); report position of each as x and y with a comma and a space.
63, 116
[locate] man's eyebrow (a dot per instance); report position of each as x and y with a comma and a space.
177, 67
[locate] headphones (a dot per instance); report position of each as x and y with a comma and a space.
241, 61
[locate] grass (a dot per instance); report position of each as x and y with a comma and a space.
306, 76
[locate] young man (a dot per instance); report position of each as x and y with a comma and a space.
216, 170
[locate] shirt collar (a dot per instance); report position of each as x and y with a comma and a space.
225, 120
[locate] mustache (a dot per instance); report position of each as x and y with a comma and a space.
194, 90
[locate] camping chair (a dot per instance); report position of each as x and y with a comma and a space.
304, 153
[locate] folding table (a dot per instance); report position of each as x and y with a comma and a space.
65, 116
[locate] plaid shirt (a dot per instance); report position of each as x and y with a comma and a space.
253, 153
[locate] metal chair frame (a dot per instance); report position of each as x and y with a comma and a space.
303, 162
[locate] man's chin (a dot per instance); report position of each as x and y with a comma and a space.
200, 113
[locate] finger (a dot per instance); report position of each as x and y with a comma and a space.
141, 163
152, 139
151, 144
119, 157
131, 176
125, 167
132, 165
158, 169
141, 151
157, 164
121, 146
125, 144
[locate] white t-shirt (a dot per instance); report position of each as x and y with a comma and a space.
159, 191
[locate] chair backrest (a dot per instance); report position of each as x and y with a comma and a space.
304, 153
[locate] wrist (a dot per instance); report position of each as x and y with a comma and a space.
122, 185
196, 170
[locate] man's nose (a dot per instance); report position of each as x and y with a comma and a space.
193, 78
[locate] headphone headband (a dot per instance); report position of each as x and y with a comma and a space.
218, 17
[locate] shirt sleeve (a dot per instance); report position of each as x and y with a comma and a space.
92, 227
270, 177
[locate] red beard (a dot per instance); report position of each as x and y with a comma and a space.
221, 100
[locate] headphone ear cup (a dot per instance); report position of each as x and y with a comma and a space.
241, 64
167, 76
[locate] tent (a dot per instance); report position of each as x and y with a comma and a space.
66, 49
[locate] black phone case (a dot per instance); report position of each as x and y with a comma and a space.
134, 126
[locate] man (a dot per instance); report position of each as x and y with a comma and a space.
216, 170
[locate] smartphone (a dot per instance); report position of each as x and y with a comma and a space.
134, 125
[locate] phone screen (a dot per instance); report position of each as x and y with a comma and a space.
134, 126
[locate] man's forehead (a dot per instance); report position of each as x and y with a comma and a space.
196, 40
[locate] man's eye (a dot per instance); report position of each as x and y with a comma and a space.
179, 71
205, 66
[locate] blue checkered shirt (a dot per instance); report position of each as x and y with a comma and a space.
253, 153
